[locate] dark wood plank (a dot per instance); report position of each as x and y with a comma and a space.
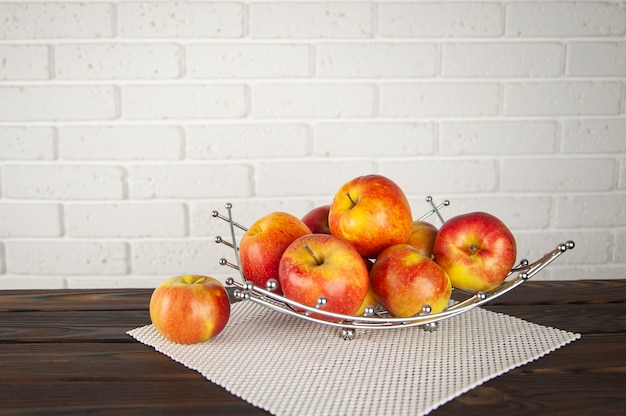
68, 397
603, 354
40, 362
550, 394
76, 299
565, 292
71, 326
107, 378
581, 318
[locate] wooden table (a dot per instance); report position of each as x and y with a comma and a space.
67, 352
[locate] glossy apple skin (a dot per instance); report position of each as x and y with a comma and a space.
341, 274
189, 309
476, 249
372, 213
370, 300
317, 220
403, 280
422, 237
262, 246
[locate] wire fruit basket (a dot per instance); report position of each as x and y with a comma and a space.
374, 317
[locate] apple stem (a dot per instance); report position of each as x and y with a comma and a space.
473, 248
350, 198
308, 249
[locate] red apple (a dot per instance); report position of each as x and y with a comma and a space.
372, 213
189, 309
404, 281
318, 265
262, 246
422, 237
317, 220
476, 249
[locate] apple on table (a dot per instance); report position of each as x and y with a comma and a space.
189, 309
371, 212
262, 246
322, 265
476, 249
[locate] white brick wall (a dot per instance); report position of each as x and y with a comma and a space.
27, 62
182, 20
123, 124
36, 103
116, 61
306, 20
440, 19
56, 20
563, 19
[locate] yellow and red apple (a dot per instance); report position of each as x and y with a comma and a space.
263, 244
317, 220
369, 301
322, 265
189, 309
372, 213
422, 237
476, 249
404, 281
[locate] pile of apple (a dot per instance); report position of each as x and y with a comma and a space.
365, 249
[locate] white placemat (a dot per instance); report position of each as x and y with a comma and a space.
289, 366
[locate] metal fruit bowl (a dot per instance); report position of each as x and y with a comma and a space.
373, 317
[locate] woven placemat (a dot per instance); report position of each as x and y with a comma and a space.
289, 366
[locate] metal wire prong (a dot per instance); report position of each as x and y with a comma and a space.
231, 226
429, 199
218, 239
224, 262
435, 209
321, 302
216, 214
